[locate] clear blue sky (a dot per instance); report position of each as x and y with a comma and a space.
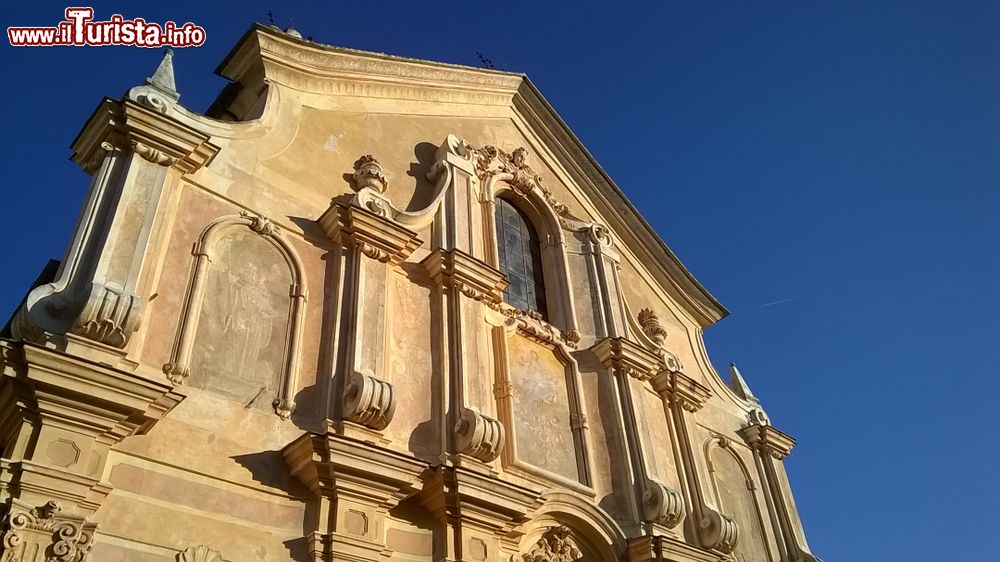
844, 155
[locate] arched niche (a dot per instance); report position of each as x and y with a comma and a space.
736, 495
240, 325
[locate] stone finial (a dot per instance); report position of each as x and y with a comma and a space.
739, 385
368, 174
651, 326
163, 78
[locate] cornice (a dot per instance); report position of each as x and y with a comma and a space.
472, 276
378, 237
768, 440
628, 356
682, 390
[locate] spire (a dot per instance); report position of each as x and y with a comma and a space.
739, 385
163, 79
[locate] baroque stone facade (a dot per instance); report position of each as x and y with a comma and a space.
282, 331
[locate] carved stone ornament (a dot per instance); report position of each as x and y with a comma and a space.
491, 160
110, 316
651, 326
532, 325
718, 531
368, 174
556, 545
479, 436
41, 534
661, 504
200, 553
369, 401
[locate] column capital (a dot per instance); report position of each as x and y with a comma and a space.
153, 135
473, 277
768, 440
681, 390
627, 356
376, 236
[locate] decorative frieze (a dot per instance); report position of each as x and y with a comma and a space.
369, 401
479, 436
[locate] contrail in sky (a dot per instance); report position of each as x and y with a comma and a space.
780, 301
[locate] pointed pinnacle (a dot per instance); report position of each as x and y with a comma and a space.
739, 385
163, 78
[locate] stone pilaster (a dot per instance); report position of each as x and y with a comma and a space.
659, 507
355, 484
363, 399
770, 448
61, 416
132, 148
707, 526
465, 284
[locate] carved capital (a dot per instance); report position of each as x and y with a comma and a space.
369, 401
479, 436
661, 504
43, 534
718, 531
768, 440
681, 390
470, 276
626, 357
374, 235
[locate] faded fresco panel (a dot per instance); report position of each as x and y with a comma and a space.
657, 438
410, 367
541, 408
738, 502
240, 344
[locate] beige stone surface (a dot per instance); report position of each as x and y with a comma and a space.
287, 341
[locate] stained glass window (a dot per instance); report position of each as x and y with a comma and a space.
519, 252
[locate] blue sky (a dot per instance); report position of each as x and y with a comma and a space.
841, 155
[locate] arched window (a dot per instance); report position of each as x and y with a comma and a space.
520, 257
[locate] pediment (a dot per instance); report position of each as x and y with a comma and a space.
409, 106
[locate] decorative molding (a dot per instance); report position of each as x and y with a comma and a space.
661, 504
367, 229
455, 269
43, 534
532, 325
200, 553
153, 155
491, 161
626, 357
479, 436
681, 390
718, 531
556, 545
768, 440
369, 401
178, 369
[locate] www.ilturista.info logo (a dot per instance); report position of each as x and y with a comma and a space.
79, 29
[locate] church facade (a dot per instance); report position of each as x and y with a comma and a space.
371, 308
